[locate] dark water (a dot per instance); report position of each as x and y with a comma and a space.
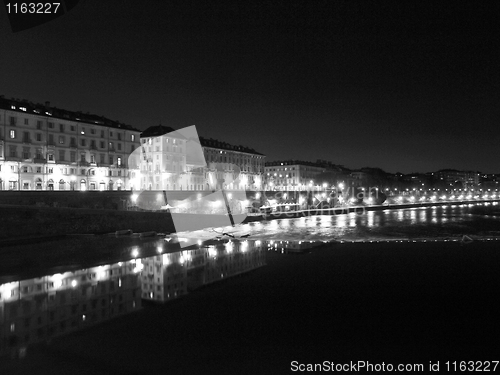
290, 292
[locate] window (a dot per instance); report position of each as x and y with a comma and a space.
92, 144
13, 120
51, 139
61, 128
26, 121
72, 128
82, 141
119, 136
38, 137
82, 172
26, 137
92, 131
72, 142
83, 131
51, 125
12, 134
82, 158
101, 158
50, 157
92, 158
26, 153
110, 133
111, 145
50, 170
72, 156
119, 145
61, 139
110, 159
39, 125
102, 133
38, 169
132, 137
119, 161
62, 155
38, 153
102, 144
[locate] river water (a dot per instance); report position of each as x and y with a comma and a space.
290, 289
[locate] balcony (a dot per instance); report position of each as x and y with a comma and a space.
12, 158
39, 160
83, 164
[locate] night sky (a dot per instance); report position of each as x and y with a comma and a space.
404, 86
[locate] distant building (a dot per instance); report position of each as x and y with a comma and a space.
299, 175
459, 179
47, 148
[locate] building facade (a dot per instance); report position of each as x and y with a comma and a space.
47, 148
170, 161
299, 175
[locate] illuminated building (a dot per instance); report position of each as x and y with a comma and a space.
232, 167
38, 309
167, 164
47, 148
163, 160
297, 174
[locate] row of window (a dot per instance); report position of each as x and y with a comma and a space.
26, 154
72, 141
62, 128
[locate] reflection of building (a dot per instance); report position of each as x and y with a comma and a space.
38, 309
168, 276
168, 163
47, 148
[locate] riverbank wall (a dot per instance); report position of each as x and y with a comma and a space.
24, 221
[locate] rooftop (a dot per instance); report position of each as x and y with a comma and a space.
318, 164
25, 106
226, 146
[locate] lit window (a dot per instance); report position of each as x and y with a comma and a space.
132, 137
13, 134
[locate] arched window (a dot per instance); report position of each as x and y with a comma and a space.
50, 185
62, 185
38, 184
83, 185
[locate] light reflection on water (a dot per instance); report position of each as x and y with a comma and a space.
433, 221
38, 309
